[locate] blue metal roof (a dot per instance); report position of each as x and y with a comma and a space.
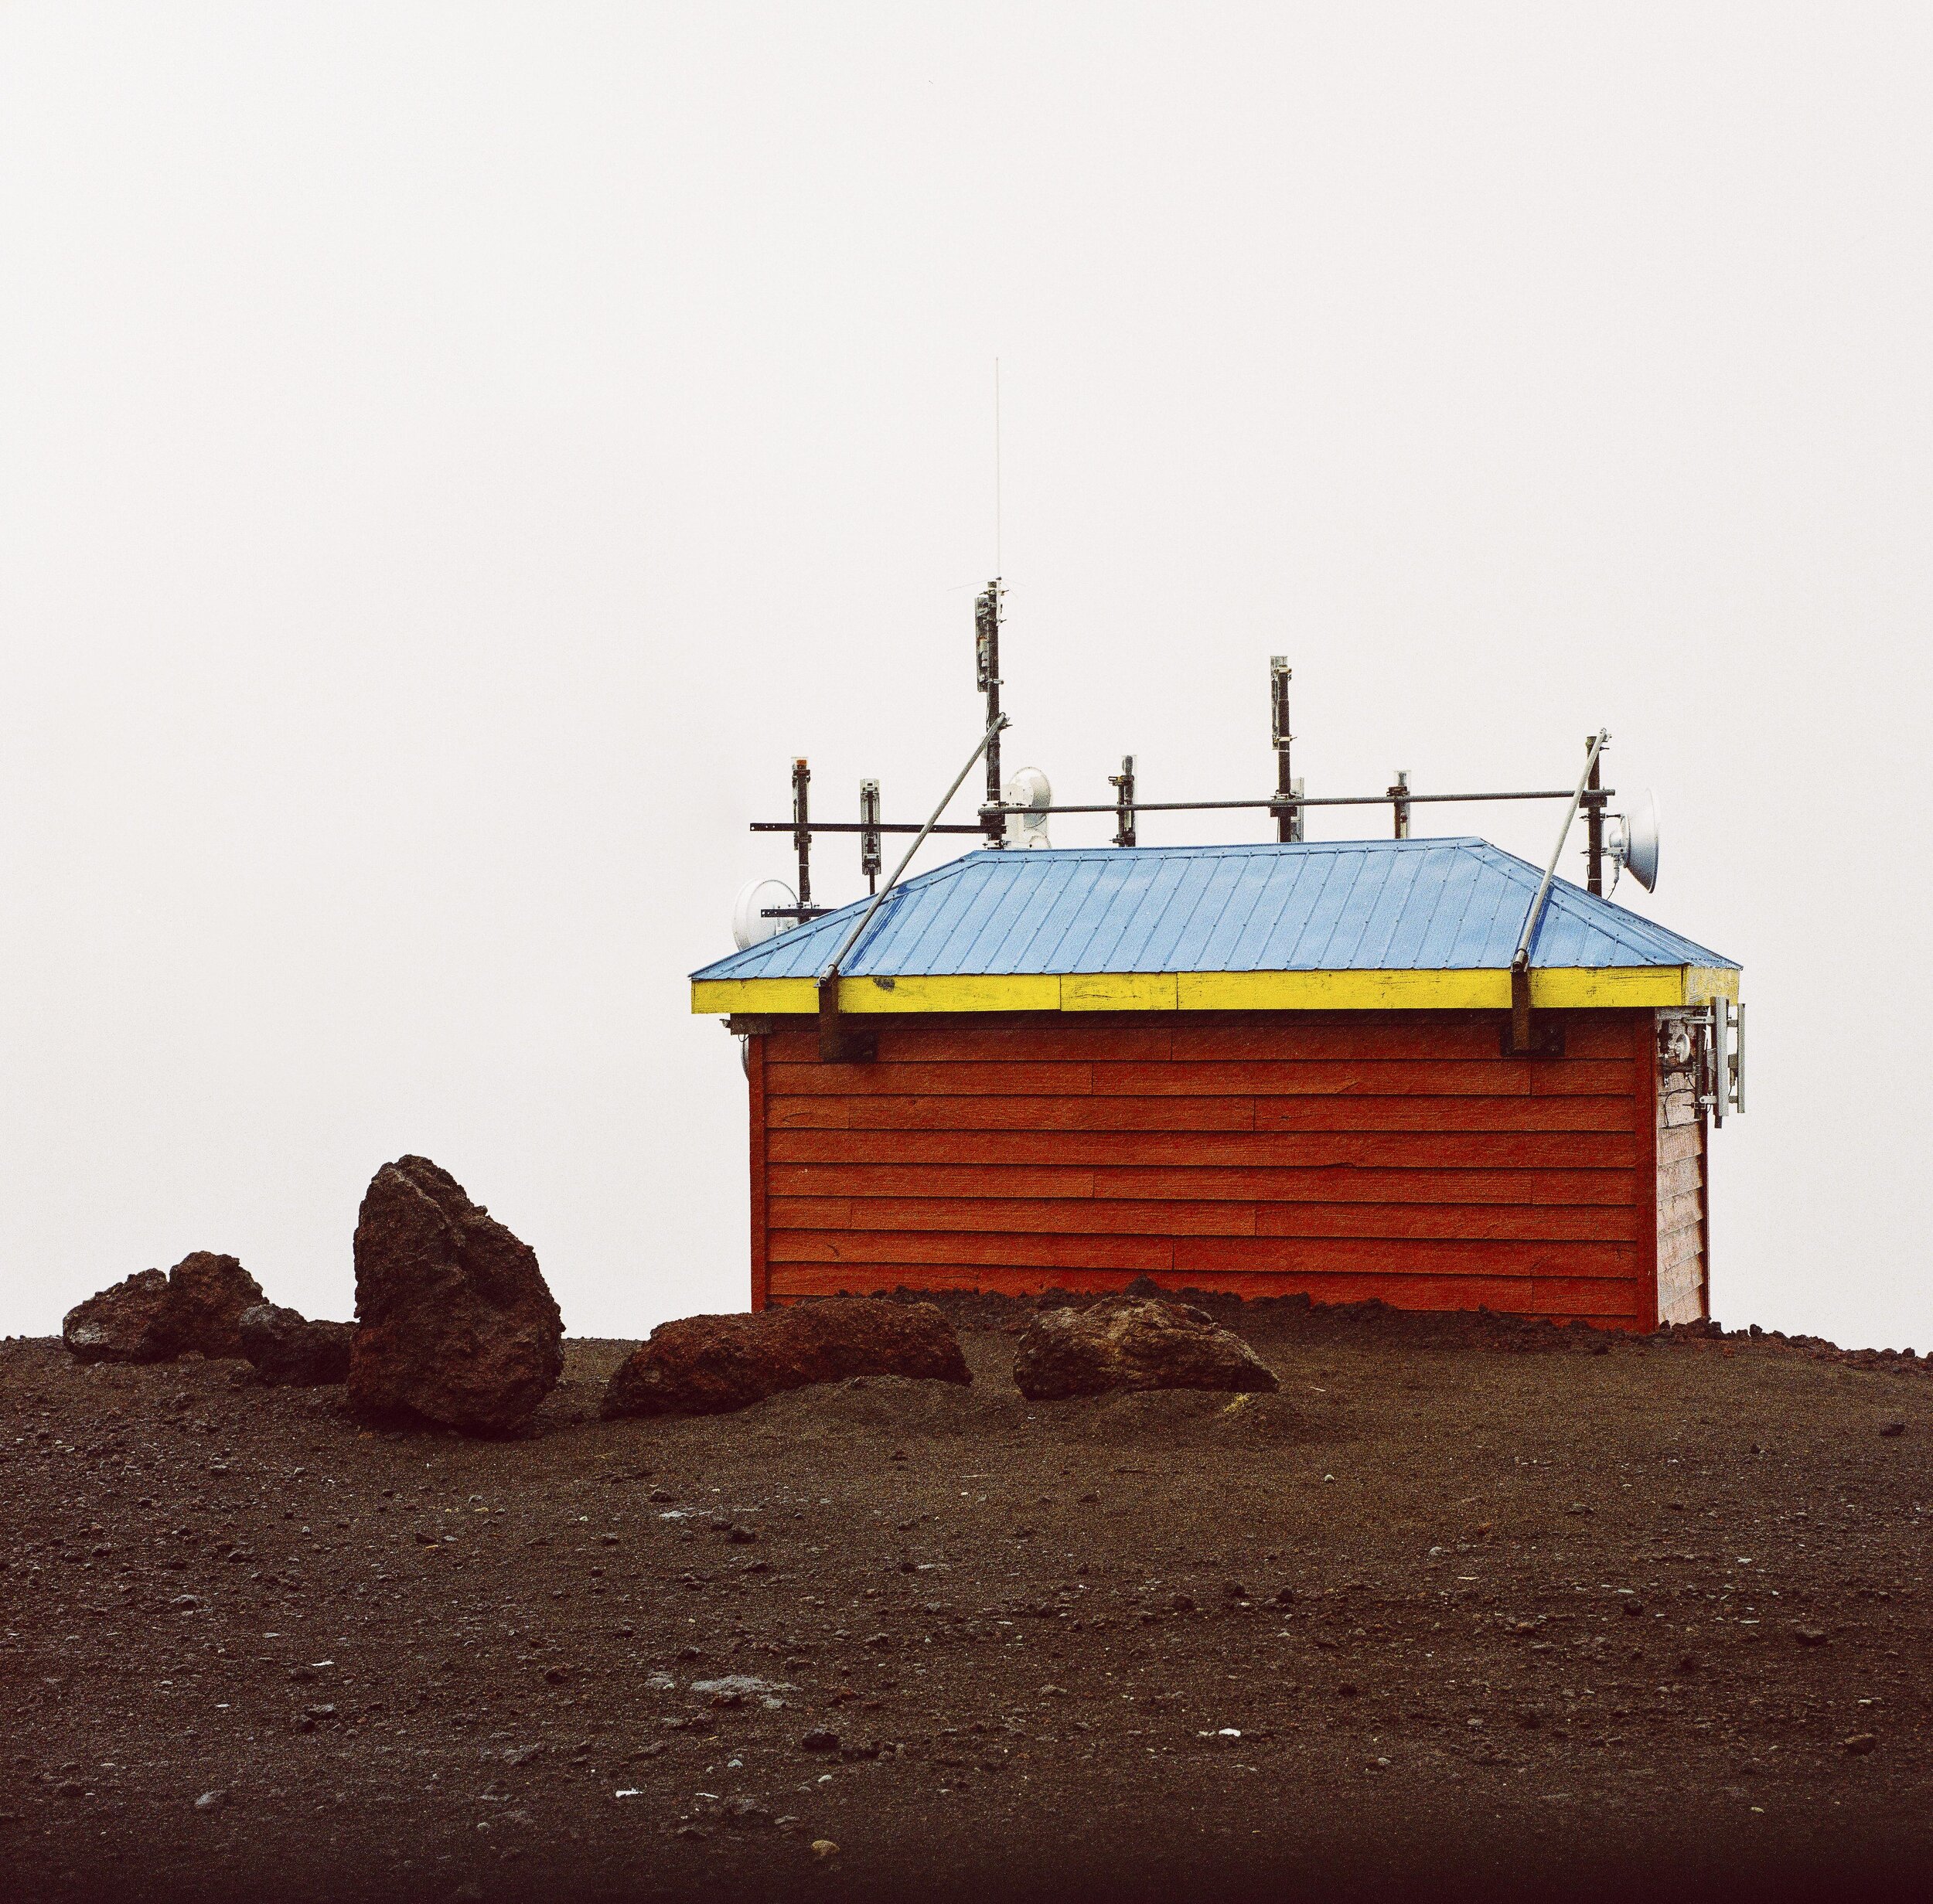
1363, 906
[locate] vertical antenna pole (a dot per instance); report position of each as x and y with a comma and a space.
1594, 819
1124, 785
986, 655
1288, 815
802, 834
999, 569
869, 832
1401, 805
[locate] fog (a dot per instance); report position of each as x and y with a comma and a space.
452, 458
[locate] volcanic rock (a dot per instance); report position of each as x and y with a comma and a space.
454, 1322
709, 1364
128, 1323
289, 1349
206, 1295
1133, 1342
150, 1317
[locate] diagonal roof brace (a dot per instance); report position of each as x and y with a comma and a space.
836, 1045
1518, 1040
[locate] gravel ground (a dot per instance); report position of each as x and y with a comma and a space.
1466, 1610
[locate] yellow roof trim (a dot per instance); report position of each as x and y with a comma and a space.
1574, 987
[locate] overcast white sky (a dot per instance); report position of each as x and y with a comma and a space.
452, 458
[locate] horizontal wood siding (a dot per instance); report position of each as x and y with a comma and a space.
1343, 1155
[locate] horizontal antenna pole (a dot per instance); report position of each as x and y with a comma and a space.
862, 826
1281, 800
1175, 807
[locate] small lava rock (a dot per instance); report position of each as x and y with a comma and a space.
207, 1296
711, 1364
128, 1323
286, 1348
1134, 1342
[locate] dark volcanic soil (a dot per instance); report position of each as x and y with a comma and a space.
1445, 1617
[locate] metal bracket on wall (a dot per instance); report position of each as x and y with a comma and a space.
839, 1044
1524, 1036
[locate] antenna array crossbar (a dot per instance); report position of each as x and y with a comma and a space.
1288, 805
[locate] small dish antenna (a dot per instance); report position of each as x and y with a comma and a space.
756, 897
1029, 790
1631, 844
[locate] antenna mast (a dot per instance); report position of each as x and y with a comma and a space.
987, 656
998, 564
1288, 790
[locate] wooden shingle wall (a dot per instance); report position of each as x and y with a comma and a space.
1345, 1155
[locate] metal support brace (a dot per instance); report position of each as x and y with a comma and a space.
1521, 1039
837, 1045
1399, 802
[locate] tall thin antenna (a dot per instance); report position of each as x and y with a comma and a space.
999, 570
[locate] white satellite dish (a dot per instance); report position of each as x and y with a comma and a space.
749, 926
1633, 844
1028, 789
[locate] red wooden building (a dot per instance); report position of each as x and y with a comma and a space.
1260, 1069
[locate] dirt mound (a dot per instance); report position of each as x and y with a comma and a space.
1134, 1342
1298, 1318
455, 1323
711, 1364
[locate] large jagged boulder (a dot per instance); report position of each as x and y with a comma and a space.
709, 1364
1134, 1342
289, 1351
206, 1295
128, 1323
454, 1321
150, 1317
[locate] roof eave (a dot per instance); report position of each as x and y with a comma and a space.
1552, 988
